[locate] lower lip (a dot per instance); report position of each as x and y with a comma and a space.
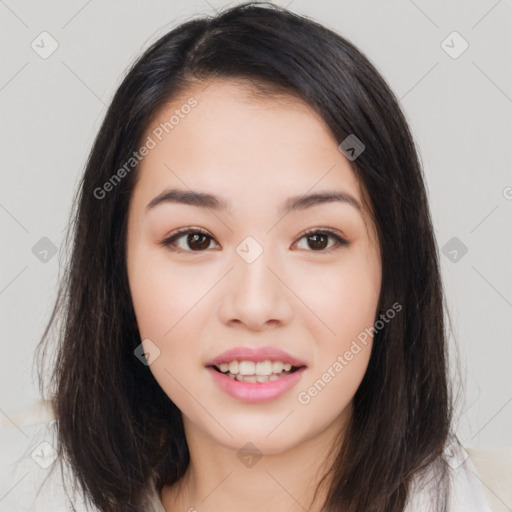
256, 392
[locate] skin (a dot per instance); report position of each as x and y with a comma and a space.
303, 298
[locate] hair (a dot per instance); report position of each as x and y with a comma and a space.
117, 429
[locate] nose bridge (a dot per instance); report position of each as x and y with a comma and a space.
254, 295
254, 279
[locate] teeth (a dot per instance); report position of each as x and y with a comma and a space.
256, 378
261, 368
264, 368
277, 367
246, 367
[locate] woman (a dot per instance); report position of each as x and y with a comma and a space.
253, 313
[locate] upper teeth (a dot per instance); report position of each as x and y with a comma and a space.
252, 368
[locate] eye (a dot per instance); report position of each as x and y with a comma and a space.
318, 240
193, 240
198, 240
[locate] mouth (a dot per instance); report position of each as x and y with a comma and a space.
256, 372
256, 382
256, 375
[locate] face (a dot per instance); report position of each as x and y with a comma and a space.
256, 266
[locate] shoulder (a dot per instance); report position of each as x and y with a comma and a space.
456, 473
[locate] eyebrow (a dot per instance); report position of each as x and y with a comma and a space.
295, 203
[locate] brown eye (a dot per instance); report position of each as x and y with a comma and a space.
198, 241
188, 240
318, 241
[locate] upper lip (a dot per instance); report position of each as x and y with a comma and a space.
256, 355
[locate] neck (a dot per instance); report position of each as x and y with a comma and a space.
223, 478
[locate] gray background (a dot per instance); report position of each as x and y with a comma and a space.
459, 110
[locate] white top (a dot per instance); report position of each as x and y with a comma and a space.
465, 492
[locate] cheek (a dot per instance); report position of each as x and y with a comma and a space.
342, 302
342, 299
343, 348
170, 313
327, 392
162, 296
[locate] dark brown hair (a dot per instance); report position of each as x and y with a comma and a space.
116, 427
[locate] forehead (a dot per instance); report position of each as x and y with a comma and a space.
236, 138
236, 117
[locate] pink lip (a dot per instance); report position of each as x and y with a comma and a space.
255, 355
256, 392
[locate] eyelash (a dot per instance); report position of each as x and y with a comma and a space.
169, 241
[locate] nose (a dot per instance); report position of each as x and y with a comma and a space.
255, 295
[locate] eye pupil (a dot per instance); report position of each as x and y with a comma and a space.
315, 239
198, 237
